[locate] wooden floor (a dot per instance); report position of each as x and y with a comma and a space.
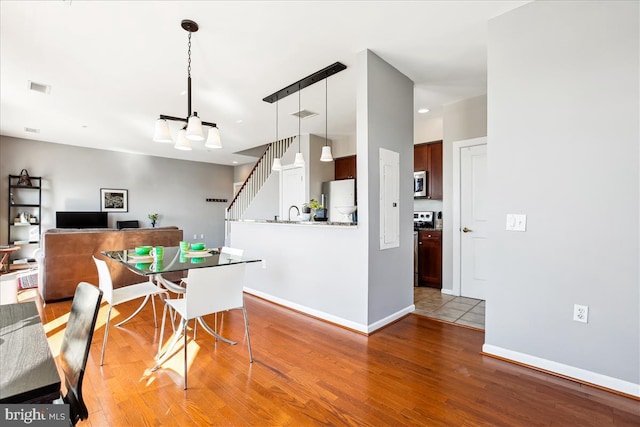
417, 371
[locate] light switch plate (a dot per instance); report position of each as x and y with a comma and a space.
516, 222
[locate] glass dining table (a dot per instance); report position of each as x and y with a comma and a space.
175, 260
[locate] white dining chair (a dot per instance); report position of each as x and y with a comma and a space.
120, 295
210, 290
227, 254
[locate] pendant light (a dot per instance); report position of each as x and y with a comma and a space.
299, 161
277, 164
213, 139
326, 150
182, 142
193, 131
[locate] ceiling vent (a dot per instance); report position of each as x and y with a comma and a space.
32, 130
39, 87
303, 114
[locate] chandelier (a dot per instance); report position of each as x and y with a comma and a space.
193, 129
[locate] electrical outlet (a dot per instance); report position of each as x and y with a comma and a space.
580, 313
195, 236
202, 236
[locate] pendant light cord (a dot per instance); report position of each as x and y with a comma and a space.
189, 55
326, 112
299, 89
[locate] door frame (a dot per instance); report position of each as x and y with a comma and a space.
457, 147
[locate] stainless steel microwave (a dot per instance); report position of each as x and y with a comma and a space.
420, 184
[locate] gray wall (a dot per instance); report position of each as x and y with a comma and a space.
385, 120
563, 134
466, 119
73, 176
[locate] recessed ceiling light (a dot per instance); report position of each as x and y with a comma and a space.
239, 121
235, 162
39, 87
423, 110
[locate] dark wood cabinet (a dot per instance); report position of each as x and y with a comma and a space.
430, 258
345, 167
428, 157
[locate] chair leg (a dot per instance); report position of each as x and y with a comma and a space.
164, 318
246, 327
184, 332
155, 318
106, 334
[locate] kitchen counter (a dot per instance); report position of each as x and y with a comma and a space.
303, 223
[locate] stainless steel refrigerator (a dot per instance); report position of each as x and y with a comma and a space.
339, 193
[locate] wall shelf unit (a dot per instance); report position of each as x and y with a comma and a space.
24, 217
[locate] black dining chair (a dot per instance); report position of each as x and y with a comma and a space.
75, 347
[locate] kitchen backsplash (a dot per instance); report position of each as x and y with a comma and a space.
427, 205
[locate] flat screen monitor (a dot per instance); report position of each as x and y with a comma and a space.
82, 220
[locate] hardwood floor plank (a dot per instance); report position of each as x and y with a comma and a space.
415, 372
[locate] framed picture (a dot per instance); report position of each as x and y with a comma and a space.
112, 200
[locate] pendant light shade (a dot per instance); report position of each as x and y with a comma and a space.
299, 161
194, 129
326, 154
277, 165
213, 139
182, 143
162, 132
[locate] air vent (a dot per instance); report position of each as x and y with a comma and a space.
39, 87
32, 130
303, 114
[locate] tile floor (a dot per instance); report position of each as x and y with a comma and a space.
460, 310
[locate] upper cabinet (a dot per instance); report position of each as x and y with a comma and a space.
428, 157
345, 167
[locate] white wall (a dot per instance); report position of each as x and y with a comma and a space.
563, 134
73, 176
384, 100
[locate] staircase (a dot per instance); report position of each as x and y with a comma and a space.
259, 174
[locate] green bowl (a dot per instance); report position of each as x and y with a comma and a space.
143, 250
197, 246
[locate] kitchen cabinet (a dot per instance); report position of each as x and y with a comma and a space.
24, 215
428, 157
345, 167
430, 258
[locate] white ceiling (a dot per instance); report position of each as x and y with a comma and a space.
115, 66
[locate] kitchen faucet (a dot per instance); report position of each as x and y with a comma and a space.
293, 206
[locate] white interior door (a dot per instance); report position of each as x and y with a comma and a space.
473, 221
292, 191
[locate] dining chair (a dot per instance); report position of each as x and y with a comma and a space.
74, 350
210, 290
227, 254
120, 295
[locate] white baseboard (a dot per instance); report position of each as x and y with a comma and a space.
448, 292
565, 370
330, 317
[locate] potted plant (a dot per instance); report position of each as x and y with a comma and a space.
320, 212
305, 208
153, 217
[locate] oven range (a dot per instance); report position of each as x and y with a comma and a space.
423, 220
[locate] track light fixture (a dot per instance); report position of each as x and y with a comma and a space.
193, 129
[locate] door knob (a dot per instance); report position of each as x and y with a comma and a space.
466, 230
